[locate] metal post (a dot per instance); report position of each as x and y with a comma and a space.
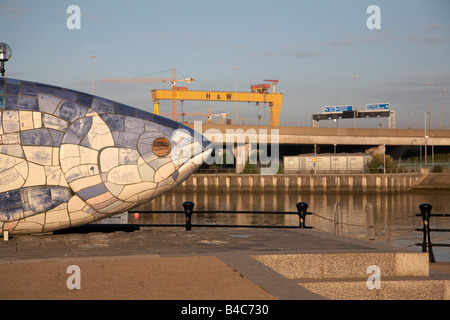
427, 246
429, 84
235, 73
301, 208
2, 68
336, 221
188, 208
354, 100
315, 160
92, 57
426, 137
370, 221
440, 108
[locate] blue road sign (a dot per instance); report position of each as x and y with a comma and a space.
377, 106
337, 108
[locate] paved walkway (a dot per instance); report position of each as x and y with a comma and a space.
163, 263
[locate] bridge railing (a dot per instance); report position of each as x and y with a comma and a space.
308, 124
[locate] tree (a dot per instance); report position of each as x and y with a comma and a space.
377, 163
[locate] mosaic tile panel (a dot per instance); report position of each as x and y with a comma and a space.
68, 158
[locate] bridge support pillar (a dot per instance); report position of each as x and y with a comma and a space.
241, 155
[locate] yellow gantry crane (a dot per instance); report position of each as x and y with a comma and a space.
274, 99
173, 80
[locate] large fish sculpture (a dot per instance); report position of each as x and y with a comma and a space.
68, 158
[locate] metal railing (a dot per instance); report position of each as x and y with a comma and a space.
337, 221
189, 212
413, 169
427, 245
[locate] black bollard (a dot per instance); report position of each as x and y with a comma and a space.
301, 208
427, 246
188, 208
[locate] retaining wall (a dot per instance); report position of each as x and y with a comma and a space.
306, 182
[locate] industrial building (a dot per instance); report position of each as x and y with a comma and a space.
327, 162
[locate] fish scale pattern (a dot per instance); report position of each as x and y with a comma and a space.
68, 158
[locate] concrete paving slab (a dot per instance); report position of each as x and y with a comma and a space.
133, 277
205, 263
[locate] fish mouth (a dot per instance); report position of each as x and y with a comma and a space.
189, 167
190, 147
201, 157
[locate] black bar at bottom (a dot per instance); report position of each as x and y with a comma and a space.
221, 226
99, 228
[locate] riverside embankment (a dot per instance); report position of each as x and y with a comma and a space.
398, 182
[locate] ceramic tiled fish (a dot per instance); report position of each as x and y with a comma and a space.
68, 158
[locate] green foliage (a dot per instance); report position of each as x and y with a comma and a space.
377, 162
437, 169
250, 168
227, 162
439, 157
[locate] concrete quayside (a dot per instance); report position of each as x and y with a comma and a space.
398, 182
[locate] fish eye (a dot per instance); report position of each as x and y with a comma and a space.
161, 147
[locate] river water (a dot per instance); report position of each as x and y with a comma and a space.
394, 214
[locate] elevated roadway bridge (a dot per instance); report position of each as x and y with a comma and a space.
296, 140
339, 136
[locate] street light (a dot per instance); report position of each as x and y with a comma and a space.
5, 55
429, 84
235, 72
440, 108
407, 121
92, 57
315, 158
426, 137
354, 100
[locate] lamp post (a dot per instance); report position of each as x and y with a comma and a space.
412, 144
5, 55
315, 158
426, 137
92, 57
440, 108
354, 100
429, 84
235, 72
407, 121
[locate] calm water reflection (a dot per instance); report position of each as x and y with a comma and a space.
394, 214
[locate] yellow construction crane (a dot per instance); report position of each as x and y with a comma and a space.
173, 80
200, 114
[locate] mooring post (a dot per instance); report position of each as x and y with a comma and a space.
188, 208
427, 246
301, 208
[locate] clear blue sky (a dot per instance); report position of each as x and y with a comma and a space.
311, 47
